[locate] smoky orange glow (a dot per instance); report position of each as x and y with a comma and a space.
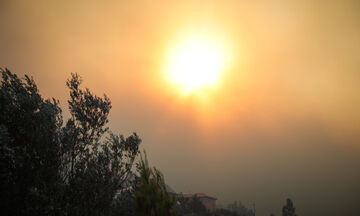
246, 100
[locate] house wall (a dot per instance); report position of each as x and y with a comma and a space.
210, 204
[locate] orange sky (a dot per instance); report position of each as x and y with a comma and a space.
283, 121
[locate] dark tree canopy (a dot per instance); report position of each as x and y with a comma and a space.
151, 196
30, 133
47, 168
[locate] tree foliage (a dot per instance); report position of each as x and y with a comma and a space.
93, 169
29, 148
47, 168
151, 196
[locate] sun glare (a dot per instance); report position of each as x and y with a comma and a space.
196, 64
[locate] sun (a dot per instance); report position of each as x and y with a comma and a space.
196, 63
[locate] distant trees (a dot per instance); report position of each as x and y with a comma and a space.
240, 209
237, 209
234, 209
151, 196
288, 209
47, 168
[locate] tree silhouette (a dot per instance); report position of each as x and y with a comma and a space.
51, 169
151, 196
93, 170
288, 209
29, 148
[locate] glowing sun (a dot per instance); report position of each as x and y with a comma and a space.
196, 64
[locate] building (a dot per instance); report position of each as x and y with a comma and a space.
208, 201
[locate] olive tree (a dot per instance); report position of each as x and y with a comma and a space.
51, 168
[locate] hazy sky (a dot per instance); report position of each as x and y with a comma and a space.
284, 121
